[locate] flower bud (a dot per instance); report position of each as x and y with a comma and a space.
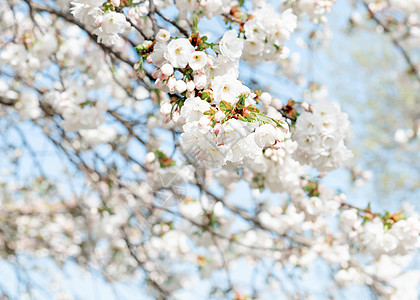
150, 157
175, 116
304, 105
156, 73
190, 86
143, 10
276, 103
265, 99
180, 86
99, 20
165, 108
268, 152
159, 84
171, 83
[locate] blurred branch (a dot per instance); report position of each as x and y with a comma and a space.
7, 101
71, 19
397, 43
182, 30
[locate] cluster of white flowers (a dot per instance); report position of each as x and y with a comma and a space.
207, 8
215, 131
265, 34
101, 135
320, 135
315, 9
402, 238
87, 10
164, 175
77, 111
109, 25
403, 135
408, 6
32, 55
276, 170
280, 222
392, 246
29, 105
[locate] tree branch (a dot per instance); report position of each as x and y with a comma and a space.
397, 43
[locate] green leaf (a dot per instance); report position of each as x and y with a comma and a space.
105, 208
195, 25
139, 65
225, 106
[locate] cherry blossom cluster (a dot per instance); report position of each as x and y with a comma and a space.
266, 32
208, 8
321, 136
221, 121
315, 9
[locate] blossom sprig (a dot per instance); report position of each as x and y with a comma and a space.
311, 188
108, 6
164, 160
289, 111
387, 217
239, 111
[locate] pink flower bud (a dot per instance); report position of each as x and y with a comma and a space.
190, 94
175, 116
165, 108
150, 157
132, 13
156, 74
159, 84
180, 86
266, 99
304, 105
190, 86
217, 128
171, 83
143, 10
276, 103
99, 20
268, 152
